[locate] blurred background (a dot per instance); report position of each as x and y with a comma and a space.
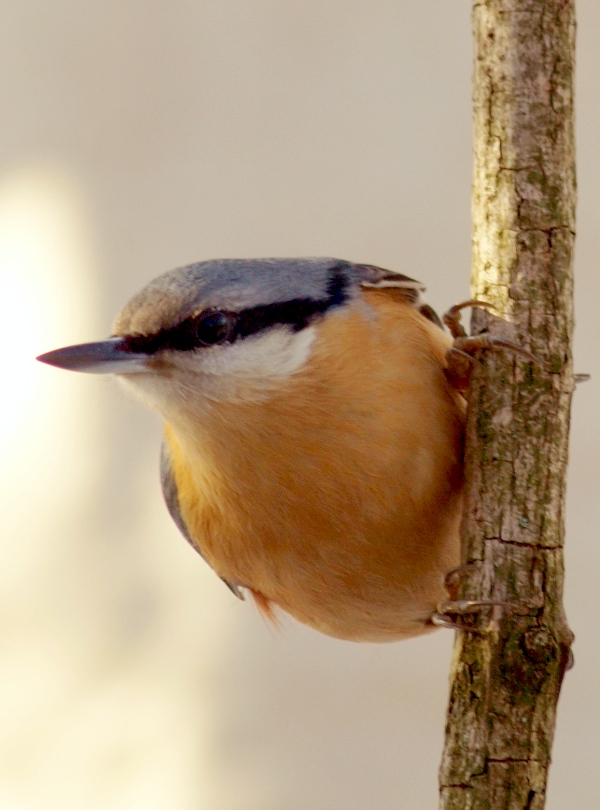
139, 136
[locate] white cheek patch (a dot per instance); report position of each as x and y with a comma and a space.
278, 352
245, 370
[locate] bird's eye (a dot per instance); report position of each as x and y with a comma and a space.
214, 327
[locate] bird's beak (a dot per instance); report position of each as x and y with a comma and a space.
110, 356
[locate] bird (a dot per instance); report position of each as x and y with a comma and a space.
313, 437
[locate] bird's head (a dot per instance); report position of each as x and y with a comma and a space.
221, 329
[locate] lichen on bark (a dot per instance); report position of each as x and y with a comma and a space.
506, 674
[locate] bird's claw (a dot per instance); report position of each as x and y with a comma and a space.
452, 318
470, 345
459, 359
449, 611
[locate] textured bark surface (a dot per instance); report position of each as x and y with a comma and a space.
506, 677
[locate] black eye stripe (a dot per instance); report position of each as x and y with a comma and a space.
297, 314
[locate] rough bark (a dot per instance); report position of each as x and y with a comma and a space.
506, 676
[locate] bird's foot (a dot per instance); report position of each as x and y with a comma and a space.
459, 359
452, 318
454, 577
449, 613
453, 612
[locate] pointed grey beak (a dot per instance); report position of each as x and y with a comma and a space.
106, 357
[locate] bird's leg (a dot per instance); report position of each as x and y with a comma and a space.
451, 318
459, 358
469, 345
455, 576
449, 611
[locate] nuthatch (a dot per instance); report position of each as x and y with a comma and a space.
313, 441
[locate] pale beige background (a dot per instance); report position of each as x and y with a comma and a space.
138, 136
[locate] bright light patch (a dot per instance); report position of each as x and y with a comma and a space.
44, 269
47, 286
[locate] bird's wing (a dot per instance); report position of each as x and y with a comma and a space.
169, 490
378, 278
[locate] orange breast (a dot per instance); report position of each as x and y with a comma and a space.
338, 496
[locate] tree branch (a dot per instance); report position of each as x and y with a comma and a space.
506, 674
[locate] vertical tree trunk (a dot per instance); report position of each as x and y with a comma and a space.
506, 675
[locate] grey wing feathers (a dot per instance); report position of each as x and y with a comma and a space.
430, 313
413, 290
169, 489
